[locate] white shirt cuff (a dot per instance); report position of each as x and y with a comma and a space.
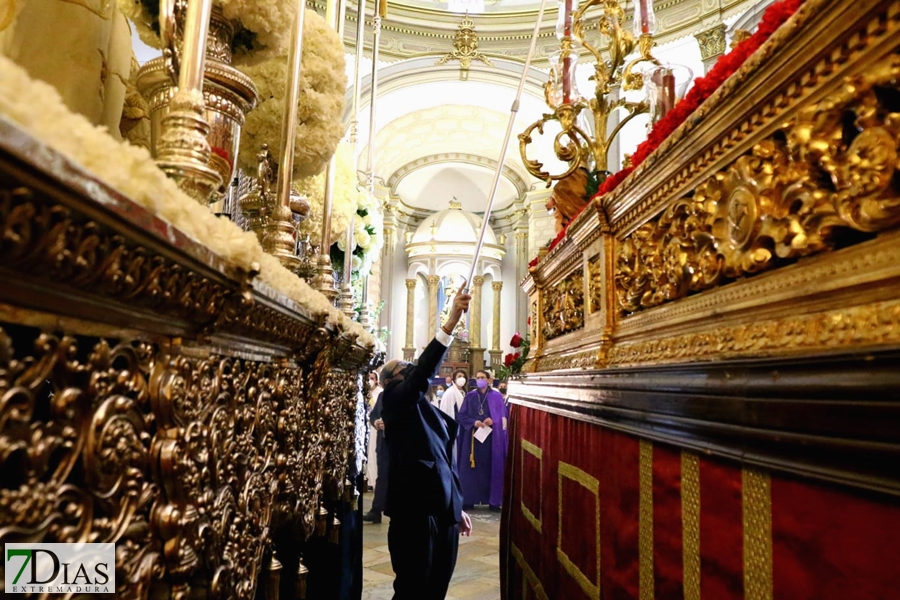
443, 337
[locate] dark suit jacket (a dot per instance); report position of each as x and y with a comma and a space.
420, 439
374, 415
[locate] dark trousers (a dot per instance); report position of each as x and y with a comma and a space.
379, 500
423, 555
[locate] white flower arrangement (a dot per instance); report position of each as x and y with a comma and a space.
349, 201
265, 25
38, 108
320, 107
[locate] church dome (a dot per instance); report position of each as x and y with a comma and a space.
453, 232
452, 225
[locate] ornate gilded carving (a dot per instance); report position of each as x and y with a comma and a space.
595, 284
711, 42
791, 196
184, 459
861, 326
563, 307
465, 47
51, 241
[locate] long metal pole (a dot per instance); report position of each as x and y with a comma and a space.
324, 280
376, 32
289, 118
509, 127
360, 40
196, 29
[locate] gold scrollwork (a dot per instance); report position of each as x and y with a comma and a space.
185, 462
595, 284
563, 307
789, 197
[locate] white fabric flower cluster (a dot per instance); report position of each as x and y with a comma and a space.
266, 24
320, 107
38, 108
349, 199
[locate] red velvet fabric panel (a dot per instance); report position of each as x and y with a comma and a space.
668, 569
578, 505
721, 531
619, 511
830, 544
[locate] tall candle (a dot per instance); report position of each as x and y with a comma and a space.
567, 58
645, 16
668, 91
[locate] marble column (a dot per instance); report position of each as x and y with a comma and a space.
386, 281
496, 352
432, 304
712, 45
409, 351
476, 349
522, 259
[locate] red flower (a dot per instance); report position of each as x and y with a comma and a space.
508, 360
516, 340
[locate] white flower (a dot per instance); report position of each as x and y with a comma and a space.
320, 107
355, 263
363, 239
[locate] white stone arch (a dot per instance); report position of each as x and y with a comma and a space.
453, 267
416, 71
417, 267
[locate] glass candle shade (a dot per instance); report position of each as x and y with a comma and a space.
644, 18
666, 85
562, 77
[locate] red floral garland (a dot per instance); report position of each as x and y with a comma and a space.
703, 88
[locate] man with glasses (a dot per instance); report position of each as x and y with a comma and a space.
424, 497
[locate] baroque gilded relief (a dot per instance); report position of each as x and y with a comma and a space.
831, 170
184, 459
563, 307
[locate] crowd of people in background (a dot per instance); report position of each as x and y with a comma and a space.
479, 454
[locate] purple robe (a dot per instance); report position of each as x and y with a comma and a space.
483, 482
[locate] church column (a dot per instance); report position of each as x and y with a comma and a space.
385, 279
712, 45
432, 303
496, 352
410, 350
476, 349
522, 259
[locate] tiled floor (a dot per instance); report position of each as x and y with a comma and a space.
477, 574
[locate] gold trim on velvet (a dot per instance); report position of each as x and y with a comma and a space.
529, 516
532, 580
645, 532
757, 510
593, 485
690, 524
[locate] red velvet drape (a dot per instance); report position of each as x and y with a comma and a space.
573, 495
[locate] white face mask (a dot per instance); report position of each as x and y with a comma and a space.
461, 381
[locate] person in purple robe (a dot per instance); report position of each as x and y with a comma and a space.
481, 461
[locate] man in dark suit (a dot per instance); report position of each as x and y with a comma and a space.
424, 496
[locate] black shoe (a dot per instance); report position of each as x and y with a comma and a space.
493, 508
372, 517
